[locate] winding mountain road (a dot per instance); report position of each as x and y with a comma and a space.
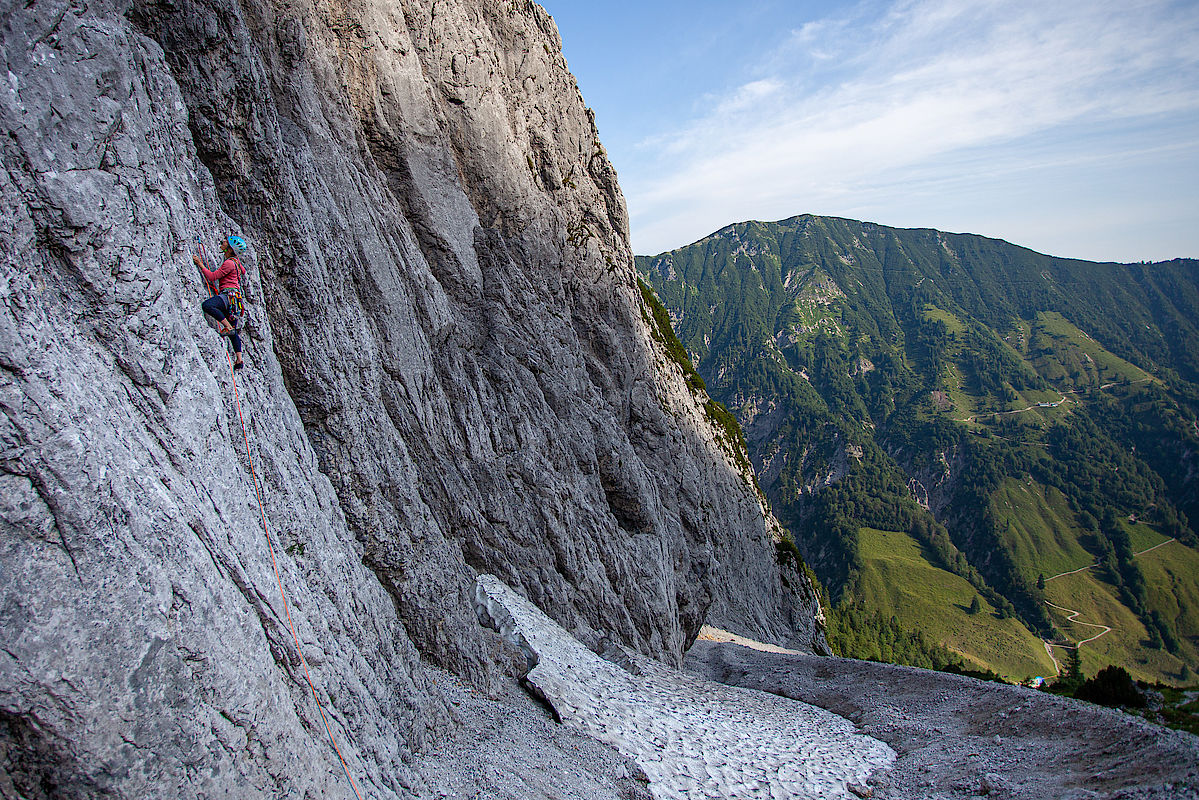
973, 417
1072, 614
1064, 399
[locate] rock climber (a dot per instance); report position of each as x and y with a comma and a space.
227, 303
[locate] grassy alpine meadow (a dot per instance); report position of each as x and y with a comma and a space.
1098, 603
900, 581
1042, 530
1070, 358
1143, 537
1172, 574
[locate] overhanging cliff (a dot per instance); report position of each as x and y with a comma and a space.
449, 372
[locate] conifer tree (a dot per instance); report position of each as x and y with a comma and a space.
1073, 678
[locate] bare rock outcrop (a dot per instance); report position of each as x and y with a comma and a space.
449, 373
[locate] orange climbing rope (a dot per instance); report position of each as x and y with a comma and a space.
275, 565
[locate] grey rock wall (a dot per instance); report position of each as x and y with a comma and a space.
448, 372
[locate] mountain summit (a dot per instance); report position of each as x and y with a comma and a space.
976, 446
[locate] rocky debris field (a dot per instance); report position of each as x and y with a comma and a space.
958, 737
692, 738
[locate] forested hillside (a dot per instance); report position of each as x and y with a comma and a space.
947, 423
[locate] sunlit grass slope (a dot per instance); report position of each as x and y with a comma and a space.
1097, 602
1042, 531
898, 580
1069, 358
1143, 537
1044, 536
1172, 575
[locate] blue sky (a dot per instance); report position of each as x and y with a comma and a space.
1066, 126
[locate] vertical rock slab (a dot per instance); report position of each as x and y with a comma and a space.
458, 318
144, 648
449, 372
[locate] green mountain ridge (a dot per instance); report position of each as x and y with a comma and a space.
1008, 413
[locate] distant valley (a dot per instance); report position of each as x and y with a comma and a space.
987, 455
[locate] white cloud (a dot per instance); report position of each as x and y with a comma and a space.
847, 105
750, 94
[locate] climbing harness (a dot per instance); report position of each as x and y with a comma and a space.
235, 302
274, 563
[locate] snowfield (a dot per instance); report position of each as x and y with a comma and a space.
691, 737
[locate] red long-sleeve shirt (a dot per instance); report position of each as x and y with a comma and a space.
228, 275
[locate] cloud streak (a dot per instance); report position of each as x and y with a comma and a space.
847, 107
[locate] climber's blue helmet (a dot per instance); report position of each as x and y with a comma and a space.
238, 245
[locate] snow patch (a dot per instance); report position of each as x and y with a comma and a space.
692, 738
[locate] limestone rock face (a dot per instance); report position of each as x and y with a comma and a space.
449, 372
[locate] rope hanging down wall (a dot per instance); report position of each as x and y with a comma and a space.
274, 562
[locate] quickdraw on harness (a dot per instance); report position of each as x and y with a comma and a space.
235, 301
